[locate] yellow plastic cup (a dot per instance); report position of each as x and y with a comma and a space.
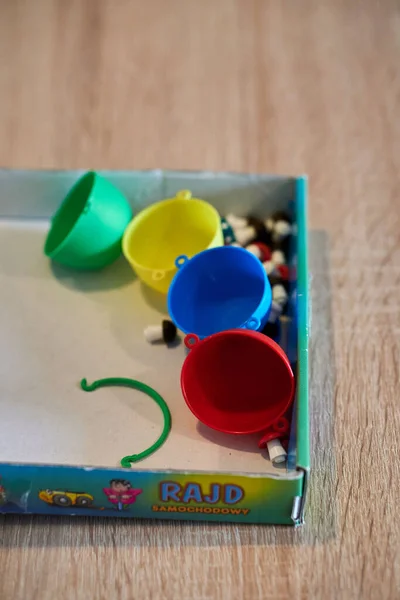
165, 230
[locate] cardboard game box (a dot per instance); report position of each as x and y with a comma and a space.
59, 447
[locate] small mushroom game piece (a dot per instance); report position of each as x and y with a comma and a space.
248, 229
271, 440
280, 228
259, 250
278, 257
273, 327
245, 235
279, 225
236, 222
277, 453
279, 294
274, 271
166, 332
269, 267
276, 266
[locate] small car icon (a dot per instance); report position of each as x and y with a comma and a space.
66, 498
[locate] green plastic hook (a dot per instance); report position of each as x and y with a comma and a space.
146, 389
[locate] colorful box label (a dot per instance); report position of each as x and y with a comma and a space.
143, 494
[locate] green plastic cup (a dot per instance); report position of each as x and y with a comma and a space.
87, 229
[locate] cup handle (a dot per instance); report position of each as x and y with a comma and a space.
280, 426
191, 340
157, 275
184, 195
253, 323
181, 260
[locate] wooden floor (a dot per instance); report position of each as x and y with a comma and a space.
288, 86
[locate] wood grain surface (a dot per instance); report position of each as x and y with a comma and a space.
288, 86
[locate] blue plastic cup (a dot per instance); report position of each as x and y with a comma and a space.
219, 289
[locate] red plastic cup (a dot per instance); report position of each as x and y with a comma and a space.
237, 381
